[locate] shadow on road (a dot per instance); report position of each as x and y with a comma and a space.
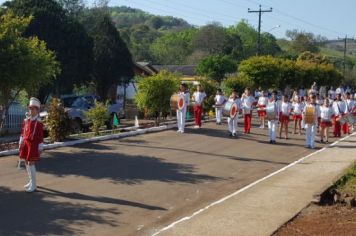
37, 214
78, 196
119, 167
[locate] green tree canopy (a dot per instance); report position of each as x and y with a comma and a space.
112, 60
62, 34
25, 63
173, 47
216, 67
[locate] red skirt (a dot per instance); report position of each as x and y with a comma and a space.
325, 123
284, 118
297, 117
29, 151
262, 113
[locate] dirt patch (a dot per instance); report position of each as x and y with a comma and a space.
322, 220
8, 146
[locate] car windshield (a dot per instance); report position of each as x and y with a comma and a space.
81, 102
68, 102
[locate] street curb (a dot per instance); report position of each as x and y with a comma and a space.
103, 138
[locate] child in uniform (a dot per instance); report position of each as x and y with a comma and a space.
198, 98
273, 123
310, 129
219, 102
182, 113
232, 122
297, 107
285, 113
326, 114
31, 142
246, 102
261, 104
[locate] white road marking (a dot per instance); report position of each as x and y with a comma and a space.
248, 186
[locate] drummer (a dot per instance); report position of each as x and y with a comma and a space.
339, 107
182, 113
261, 104
232, 122
272, 123
246, 102
310, 129
198, 98
219, 99
297, 107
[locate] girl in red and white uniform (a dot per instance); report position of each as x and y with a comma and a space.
198, 98
326, 114
349, 109
232, 122
297, 107
181, 114
273, 122
261, 106
339, 107
31, 142
285, 111
246, 102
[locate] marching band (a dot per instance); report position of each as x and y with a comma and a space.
310, 111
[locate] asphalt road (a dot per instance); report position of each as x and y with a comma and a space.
136, 185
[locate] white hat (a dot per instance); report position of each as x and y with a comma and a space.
34, 102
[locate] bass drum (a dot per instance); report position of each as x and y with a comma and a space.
271, 112
177, 102
309, 115
230, 109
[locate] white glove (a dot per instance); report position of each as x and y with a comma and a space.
40, 147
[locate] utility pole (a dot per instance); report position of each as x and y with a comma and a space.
345, 50
260, 11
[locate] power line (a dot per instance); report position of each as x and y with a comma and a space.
260, 11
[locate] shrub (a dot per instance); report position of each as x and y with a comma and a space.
237, 82
57, 121
97, 116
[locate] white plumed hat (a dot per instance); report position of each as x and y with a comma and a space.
34, 102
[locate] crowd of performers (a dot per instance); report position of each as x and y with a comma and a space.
310, 110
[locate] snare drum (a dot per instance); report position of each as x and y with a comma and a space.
177, 102
271, 111
230, 109
309, 115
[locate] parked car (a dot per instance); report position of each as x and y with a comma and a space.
76, 106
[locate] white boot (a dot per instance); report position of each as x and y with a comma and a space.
29, 176
33, 185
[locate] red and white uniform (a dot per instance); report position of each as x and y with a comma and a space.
326, 114
339, 108
297, 110
285, 112
198, 98
31, 140
246, 103
261, 104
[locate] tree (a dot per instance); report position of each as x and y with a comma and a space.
73, 7
154, 93
173, 48
25, 63
210, 38
216, 67
112, 60
238, 83
62, 34
302, 41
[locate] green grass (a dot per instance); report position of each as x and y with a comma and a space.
347, 183
334, 53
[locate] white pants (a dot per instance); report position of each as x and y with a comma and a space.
181, 118
302, 124
310, 130
218, 114
272, 124
232, 124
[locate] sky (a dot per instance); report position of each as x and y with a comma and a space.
330, 18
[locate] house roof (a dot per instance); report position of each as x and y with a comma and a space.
145, 68
186, 70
